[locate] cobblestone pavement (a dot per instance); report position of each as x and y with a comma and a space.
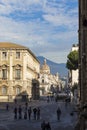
48, 113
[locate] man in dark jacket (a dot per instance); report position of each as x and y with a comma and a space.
35, 113
58, 113
43, 125
29, 113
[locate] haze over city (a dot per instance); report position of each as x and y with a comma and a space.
47, 27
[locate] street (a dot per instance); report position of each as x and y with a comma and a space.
48, 113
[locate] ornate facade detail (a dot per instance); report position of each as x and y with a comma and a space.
15, 77
48, 83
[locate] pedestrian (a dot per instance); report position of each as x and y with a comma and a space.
48, 126
35, 113
66, 102
38, 113
43, 125
58, 113
20, 112
25, 115
26, 106
48, 99
15, 113
7, 106
29, 113
56, 99
15, 101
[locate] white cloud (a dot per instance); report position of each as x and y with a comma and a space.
42, 34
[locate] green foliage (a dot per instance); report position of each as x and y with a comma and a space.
72, 60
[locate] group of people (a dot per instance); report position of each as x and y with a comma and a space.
19, 113
27, 112
45, 126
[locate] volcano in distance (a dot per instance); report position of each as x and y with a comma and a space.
54, 67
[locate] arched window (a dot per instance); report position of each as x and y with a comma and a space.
4, 90
42, 80
18, 90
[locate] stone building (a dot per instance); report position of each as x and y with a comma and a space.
19, 69
82, 122
48, 83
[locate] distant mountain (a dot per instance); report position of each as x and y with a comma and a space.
54, 67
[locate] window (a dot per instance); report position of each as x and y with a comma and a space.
4, 73
4, 90
18, 90
4, 55
17, 73
17, 55
38, 75
42, 80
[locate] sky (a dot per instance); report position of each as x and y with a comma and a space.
47, 27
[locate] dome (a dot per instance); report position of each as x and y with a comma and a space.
45, 67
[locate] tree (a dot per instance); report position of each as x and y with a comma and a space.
72, 61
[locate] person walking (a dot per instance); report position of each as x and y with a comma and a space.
35, 113
15, 101
26, 106
20, 112
48, 126
15, 113
43, 125
25, 115
38, 113
29, 113
58, 114
7, 107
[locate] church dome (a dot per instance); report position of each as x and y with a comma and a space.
45, 68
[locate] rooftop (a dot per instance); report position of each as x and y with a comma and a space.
11, 45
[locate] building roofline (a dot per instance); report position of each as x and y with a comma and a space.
10, 45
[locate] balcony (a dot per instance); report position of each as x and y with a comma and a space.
17, 78
4, 78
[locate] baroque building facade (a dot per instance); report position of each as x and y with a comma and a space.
49, 83
19, 69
